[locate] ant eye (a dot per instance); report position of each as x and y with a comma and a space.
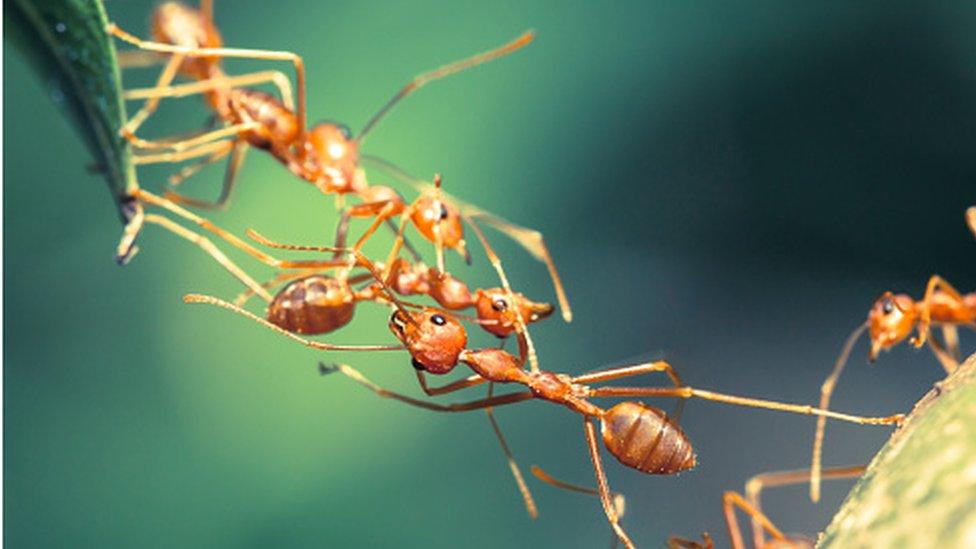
888, 306
344, 129
499, 305
438, 319
444, 213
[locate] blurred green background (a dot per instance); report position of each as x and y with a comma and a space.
727, 185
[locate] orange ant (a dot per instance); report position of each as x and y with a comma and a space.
639, 436
761, 525
326, 155
499, 316
318, 304
890, 321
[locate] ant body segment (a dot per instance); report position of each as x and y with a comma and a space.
890, 321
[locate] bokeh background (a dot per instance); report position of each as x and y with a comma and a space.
728, 186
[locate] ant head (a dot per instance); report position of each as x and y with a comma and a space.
890, 321
494, 305
448, 291
338, 155
435, 339
432, 211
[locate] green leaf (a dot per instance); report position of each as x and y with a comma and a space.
66, 42
919, 489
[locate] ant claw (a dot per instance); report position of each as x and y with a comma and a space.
124, 258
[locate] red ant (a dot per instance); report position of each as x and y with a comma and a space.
761, 525
319, 304
326, 155
639, 436
890, 321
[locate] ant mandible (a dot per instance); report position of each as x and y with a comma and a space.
890, 321
761, 524
639, 436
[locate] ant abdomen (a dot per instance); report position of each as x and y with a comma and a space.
313, 305
645, 439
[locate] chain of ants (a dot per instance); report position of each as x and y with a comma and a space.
319, 296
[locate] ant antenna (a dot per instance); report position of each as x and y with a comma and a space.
359, 257
447, 70
826, 390
210, 300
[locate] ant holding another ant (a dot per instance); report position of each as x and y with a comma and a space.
639, 436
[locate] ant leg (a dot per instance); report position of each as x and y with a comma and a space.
277, 78
629, 371
601, 479
731, 500
342, 229
358, 377
173, 157
935, 283
136, 218
295, 59
971, 219
619, 501
469, 381
399, 240
512, 464
210, 300
193, 169
136, 59
237, 153
531, 240
950, 335
755, 485
826, 391
385, 213
197, 141
636, 370
945, 357
421, 80
690, 392
149, 107
246, 295
149, 198
214, 252
675, 542
520, 325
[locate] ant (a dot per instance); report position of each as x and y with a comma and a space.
498, 316
327, 155
890, 321
313, 303
639, 436
761, 525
